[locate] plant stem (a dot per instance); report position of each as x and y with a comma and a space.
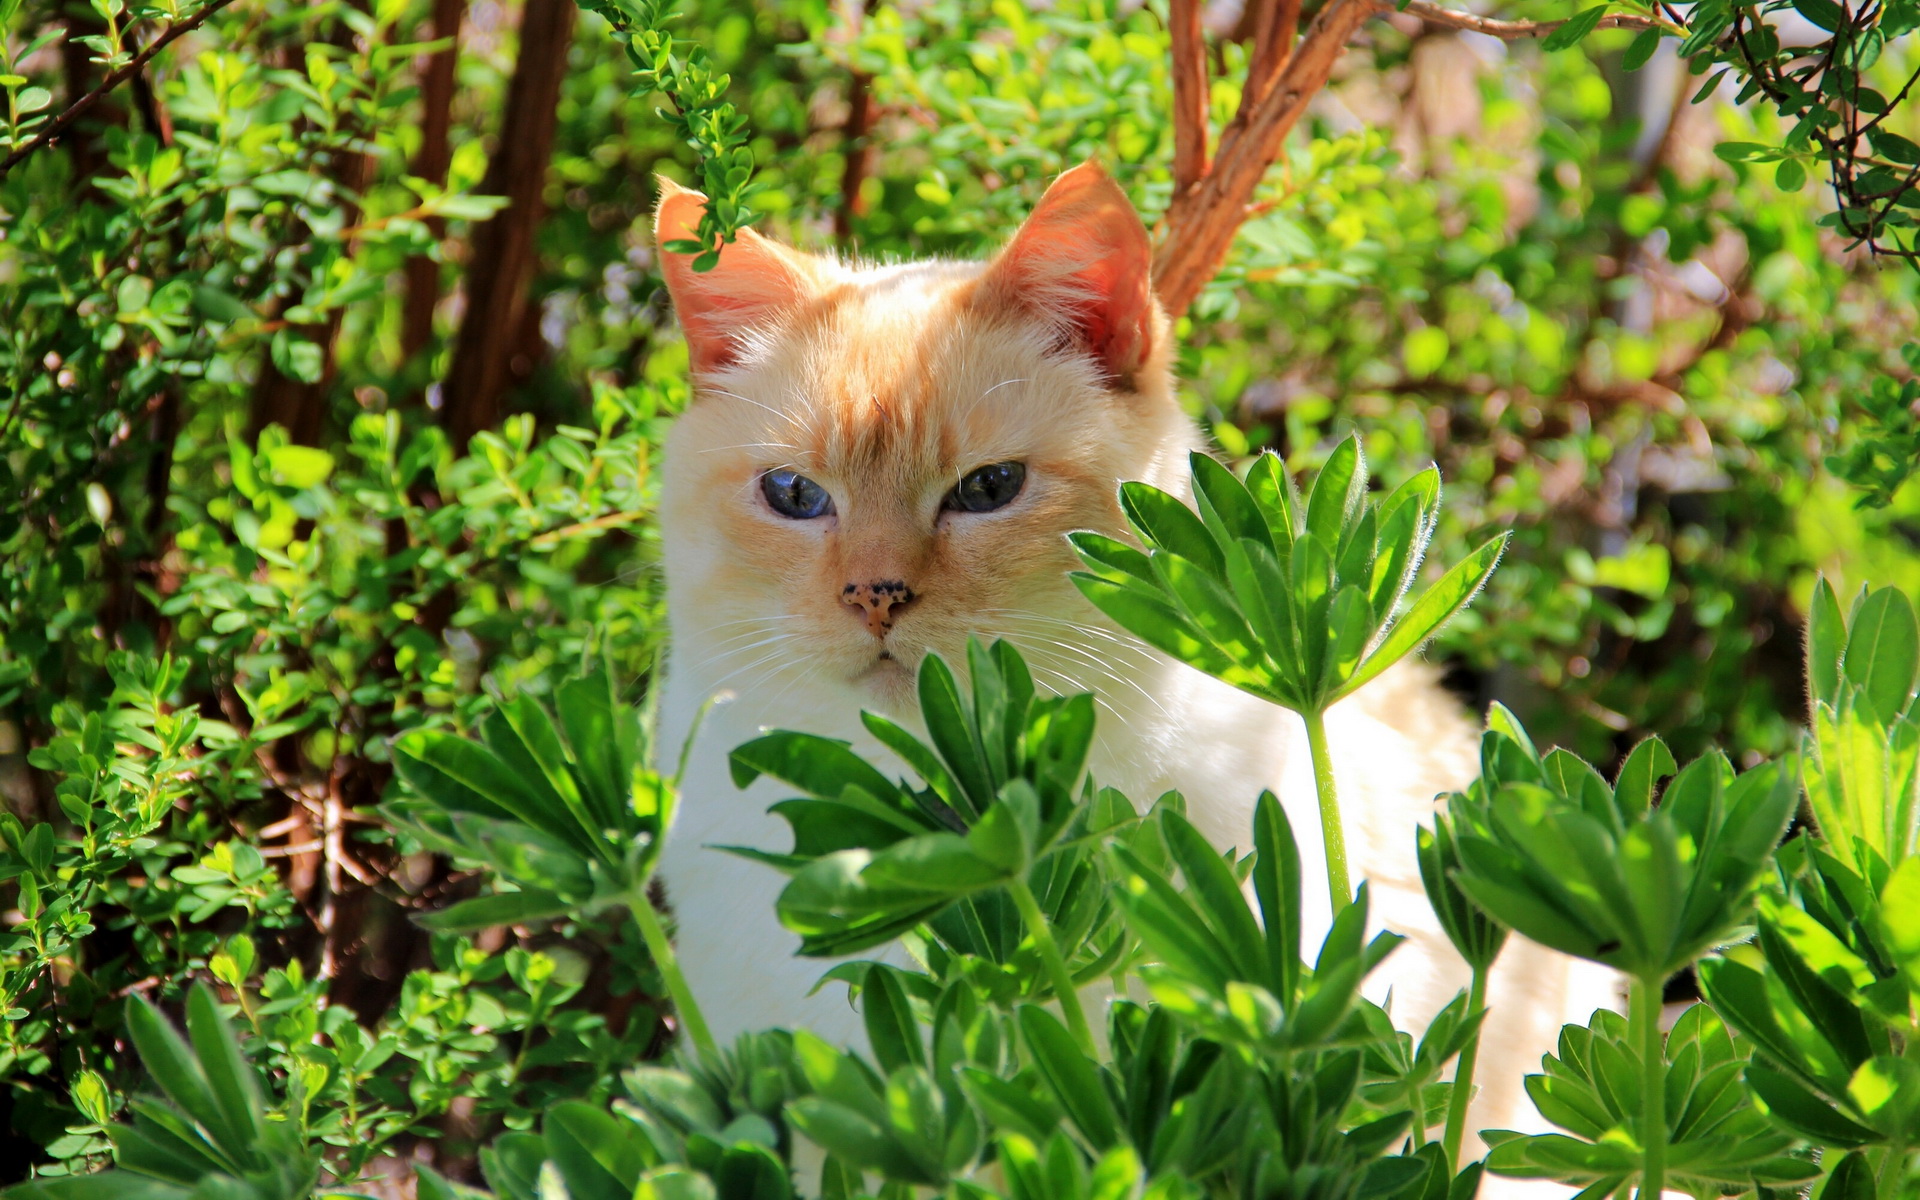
1332, 833
1643, 1010
1463, 1073
1056, 966
1893, 1169
684, 1005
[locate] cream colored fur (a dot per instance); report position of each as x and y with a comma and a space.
886, 385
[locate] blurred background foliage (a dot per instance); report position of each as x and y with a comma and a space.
334, 364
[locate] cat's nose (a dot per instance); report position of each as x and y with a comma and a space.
880, 602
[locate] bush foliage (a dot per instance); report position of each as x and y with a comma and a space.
333, 372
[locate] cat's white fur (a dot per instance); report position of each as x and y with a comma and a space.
743, 628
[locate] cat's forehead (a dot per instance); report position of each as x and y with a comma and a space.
896, 367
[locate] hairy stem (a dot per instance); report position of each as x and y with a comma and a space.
1643, 1010
1463, 1073
1056, 965
684, 1005
1332, 833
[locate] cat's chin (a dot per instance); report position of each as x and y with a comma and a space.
889, 681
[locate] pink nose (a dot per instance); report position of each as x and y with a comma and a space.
880, 602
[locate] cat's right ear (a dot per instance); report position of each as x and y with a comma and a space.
754, 283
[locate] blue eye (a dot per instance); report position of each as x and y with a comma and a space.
794, 496
988, 488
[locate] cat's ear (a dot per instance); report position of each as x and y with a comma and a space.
1082, 262
755, 282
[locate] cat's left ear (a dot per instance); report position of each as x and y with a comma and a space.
755, 284
1083, 262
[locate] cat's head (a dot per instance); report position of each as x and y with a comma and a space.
880, 461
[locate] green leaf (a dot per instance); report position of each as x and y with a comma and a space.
1640, 777
1226, 505
1276, 882
953, 732
1640, 49
170, 1061
1852, 1179
498, 909
892, 1031
1070, 1075
1215, 893
600, 1156
1338, 492
1272, 490
1156, 623
1803, 1112
1454, 591
230, 1077
1826, 643
816, 765
1164, 522
1900, 919
1883, 652
1575, 30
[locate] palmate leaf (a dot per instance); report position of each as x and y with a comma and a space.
1289, 601
1592, 1089
561, 806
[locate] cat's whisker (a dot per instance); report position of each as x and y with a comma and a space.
788, 447
788, 417
1100, 664
774, 656
765, 640
1071, 688
756, 621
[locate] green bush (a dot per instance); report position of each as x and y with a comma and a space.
333, 370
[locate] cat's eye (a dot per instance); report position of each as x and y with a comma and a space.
987, 488
794, 496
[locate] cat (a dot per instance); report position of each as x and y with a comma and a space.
881, 461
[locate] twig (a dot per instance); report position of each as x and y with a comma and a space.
1438, 14
1189, 94
73, 111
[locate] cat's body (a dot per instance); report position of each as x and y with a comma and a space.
826, 523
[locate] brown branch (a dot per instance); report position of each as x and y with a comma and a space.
1439, 14
1200, 224
73, 111
1190, 99
1278, 24
437, 86
856, 143
505, 257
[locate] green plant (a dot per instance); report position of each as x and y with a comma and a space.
213, 1136
1296, 601
568, 812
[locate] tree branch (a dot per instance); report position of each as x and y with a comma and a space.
59, 124
1190, 98
1200, 224
1438, 14
1277, 25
